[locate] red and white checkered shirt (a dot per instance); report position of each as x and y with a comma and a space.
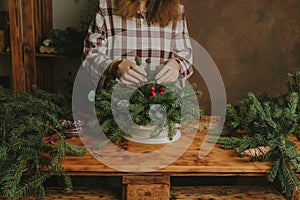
111, 37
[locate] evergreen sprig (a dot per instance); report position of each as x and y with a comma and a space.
26, 160
268, 121
294, 87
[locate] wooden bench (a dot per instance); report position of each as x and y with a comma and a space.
156, 184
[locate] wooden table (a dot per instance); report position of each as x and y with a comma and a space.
218, 162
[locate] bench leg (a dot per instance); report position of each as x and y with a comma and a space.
146, 187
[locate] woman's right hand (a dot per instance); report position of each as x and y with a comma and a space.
128, 72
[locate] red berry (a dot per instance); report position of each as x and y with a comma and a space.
154, 94
152, 88
161, 92
162, 89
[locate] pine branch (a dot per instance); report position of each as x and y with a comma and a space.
11, 182
261, 111
22, 142
30, 184
291, 181
269, 123
274, 170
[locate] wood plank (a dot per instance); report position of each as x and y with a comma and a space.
138, 179
225, 193
43, 13
43, 25
147, 192
4, 53
38, 21
219, 161
47, 16
49, 55
45, 74
102, 193
18, 71
28, 9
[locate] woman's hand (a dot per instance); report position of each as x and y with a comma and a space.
169, 73
128, 72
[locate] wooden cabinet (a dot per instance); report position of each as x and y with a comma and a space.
29, 21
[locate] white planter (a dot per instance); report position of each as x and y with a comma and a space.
149, 135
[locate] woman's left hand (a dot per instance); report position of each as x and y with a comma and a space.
169, 73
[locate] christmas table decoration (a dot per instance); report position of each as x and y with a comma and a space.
151, 113
70, 128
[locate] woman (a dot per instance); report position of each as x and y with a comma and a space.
124, 29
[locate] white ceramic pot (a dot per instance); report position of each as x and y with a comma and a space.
151, 135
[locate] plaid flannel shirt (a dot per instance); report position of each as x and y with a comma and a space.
111, 38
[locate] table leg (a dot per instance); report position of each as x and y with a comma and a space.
146, 187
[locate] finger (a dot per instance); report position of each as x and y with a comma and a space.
163, 78
136, 75
170, 76
126, 82
162, 72
130, 78
140, 70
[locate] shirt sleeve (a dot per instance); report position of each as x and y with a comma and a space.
183, 47
94, 57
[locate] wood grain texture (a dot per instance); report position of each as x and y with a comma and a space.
218, 162
146, 180
80, 194
147, 192
3, 40
45, 73
38, 21
146, 187
28, 22
225, 193
18, 71
47, 16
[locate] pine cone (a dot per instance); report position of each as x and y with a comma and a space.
256, 152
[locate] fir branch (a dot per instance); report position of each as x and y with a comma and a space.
261, 111
22, 142
273, 171
13, 178
289, 179
29, 185
267, 122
